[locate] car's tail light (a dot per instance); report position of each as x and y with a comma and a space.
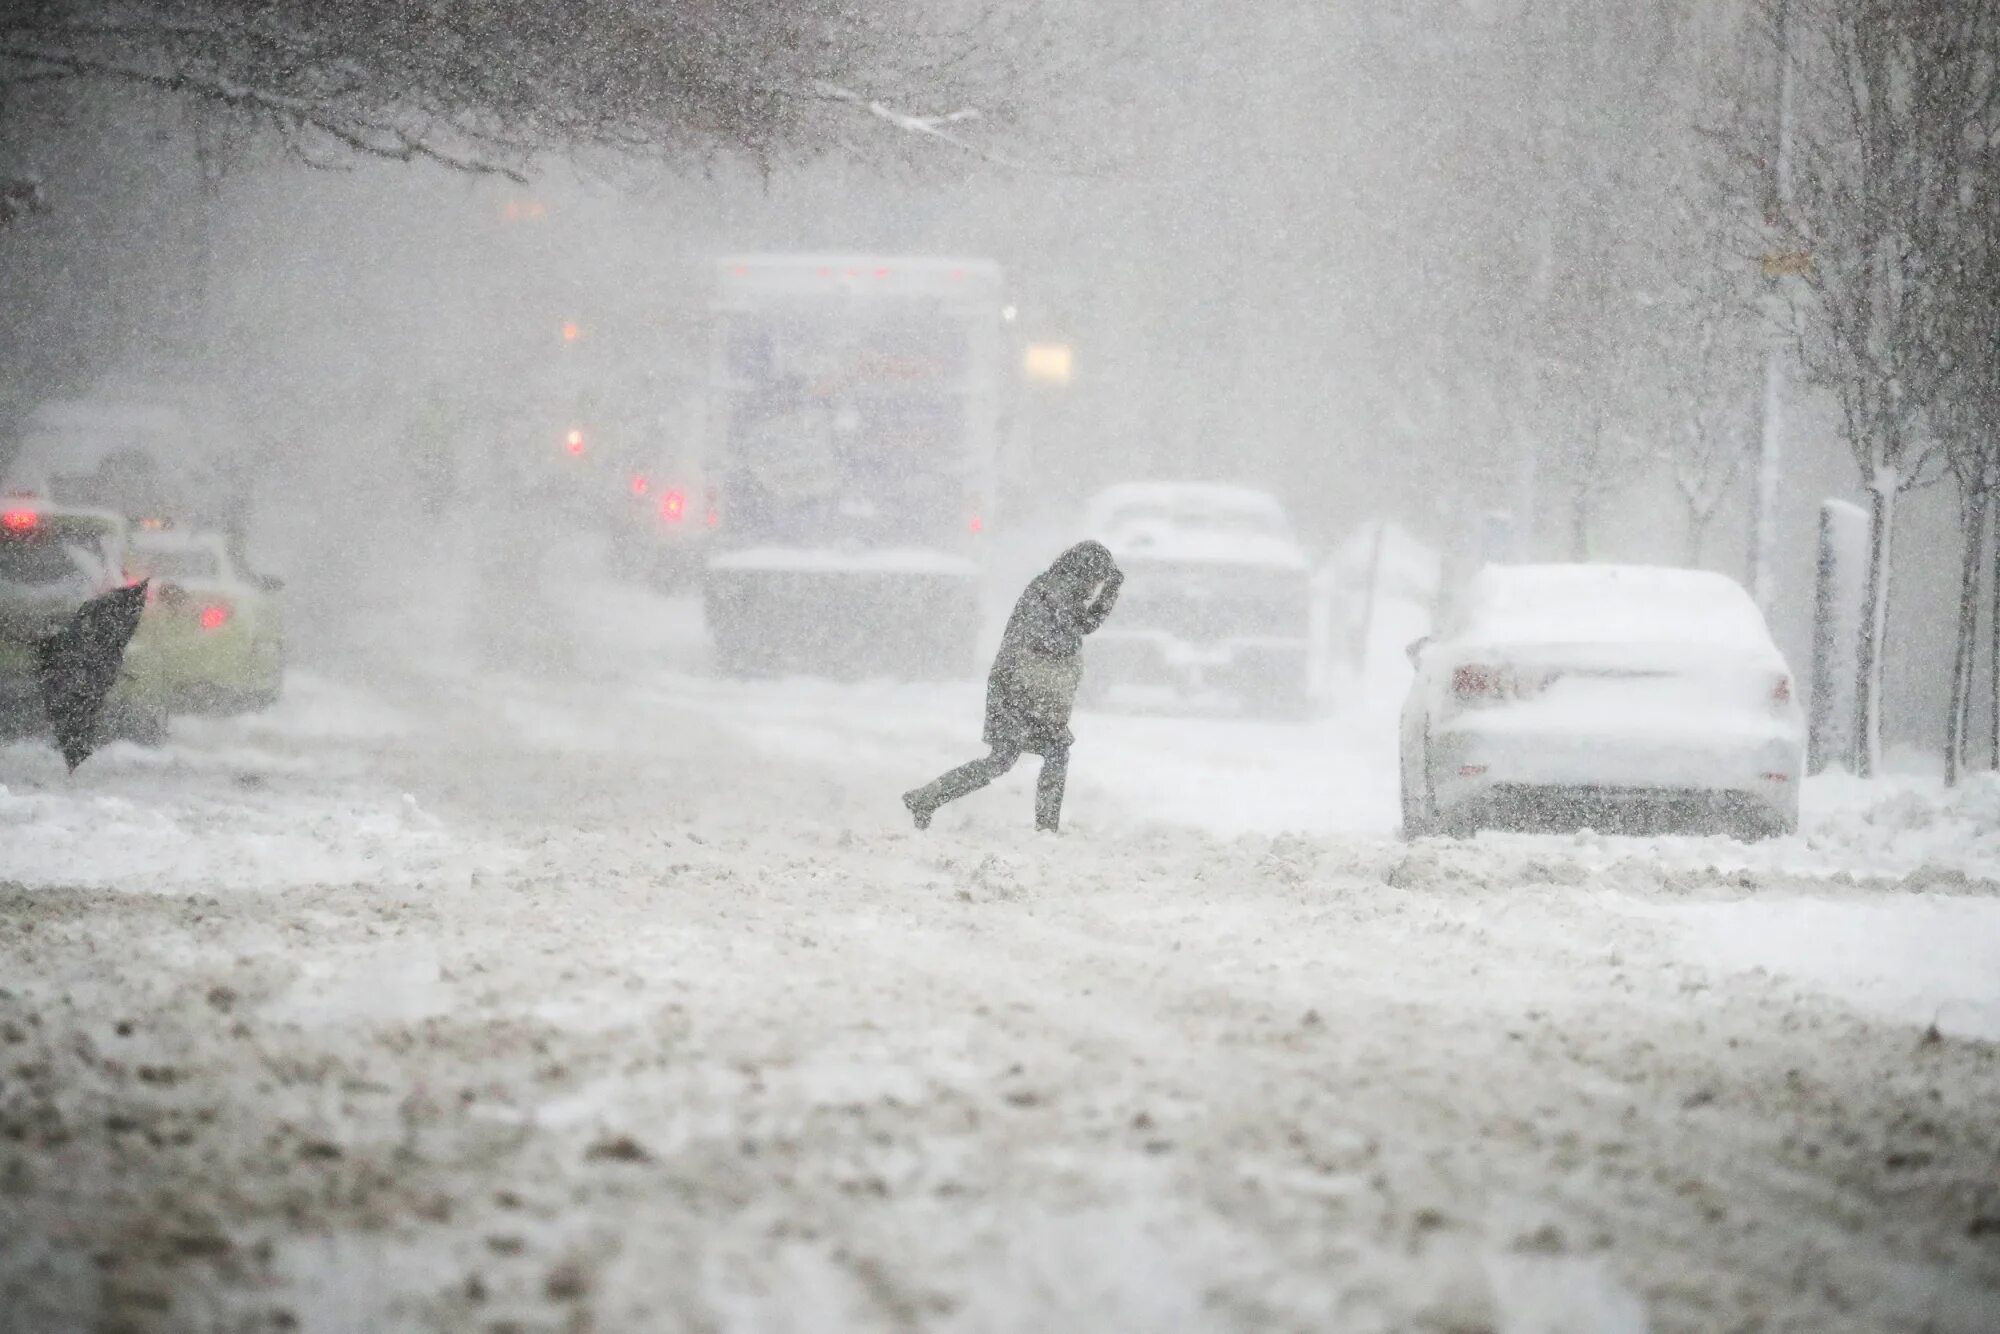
673, 506
20, 521
976, 525
715, 518
1480, 683
1477, 682
640, 484
573, 442
214, 616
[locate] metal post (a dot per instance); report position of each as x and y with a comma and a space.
1764, 512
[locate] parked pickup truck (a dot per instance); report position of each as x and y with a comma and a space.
1216, 599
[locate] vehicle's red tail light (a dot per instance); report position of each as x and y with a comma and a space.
673, 506
976, 524
1481, 683
573, 442
714, 519
19, 521
1477, 682
640, 484
214, 616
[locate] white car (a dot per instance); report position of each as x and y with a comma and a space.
1602, 696
1217, 596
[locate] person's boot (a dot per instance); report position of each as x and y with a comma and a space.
920, 810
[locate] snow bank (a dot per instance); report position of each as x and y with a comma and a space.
1922, 959
229, 815
1902, 822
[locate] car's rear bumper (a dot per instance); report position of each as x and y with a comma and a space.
1750, 772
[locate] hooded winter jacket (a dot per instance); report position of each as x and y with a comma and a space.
1032, 687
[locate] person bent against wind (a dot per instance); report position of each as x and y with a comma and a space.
1032, 687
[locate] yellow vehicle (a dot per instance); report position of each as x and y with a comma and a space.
216, 633
53, 559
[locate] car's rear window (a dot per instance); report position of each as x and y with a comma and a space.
46, 562
191, 564
1589, 604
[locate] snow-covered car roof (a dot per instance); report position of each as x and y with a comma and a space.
76, 435
1194, 521
1611, 604
183, 543
177, 539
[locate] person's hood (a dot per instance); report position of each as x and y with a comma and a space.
1084, 565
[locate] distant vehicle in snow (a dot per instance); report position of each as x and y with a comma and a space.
137, 455
851, 458
217, 634
1217, 595
1606, 696
666, 511
53, 559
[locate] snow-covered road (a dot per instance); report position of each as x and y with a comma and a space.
617, 997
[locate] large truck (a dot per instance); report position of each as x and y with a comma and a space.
852, 461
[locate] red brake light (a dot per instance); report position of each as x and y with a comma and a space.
639, 484
673, 505
19, 521
214, 617
976, 524
573, 442
1474, 682
714, 519
1477, 681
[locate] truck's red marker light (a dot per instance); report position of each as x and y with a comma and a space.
976, 524
672, 506
639, 484
714, 519
19, 521
214, 617
881, 273
573, 442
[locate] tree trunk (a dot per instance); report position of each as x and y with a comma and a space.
1965, 648
1993, 661
1874, 624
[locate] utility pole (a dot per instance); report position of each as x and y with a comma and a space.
1764, 512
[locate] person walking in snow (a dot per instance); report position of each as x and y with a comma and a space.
1033, 683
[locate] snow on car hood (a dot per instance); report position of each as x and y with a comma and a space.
1170, 542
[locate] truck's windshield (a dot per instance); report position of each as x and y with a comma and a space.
847, 421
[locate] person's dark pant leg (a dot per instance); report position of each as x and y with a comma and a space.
964, 779
1049, 789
